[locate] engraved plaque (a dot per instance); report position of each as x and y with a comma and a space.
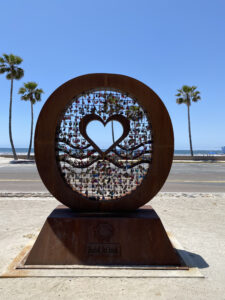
103, 249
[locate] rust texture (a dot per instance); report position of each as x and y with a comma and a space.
110, 238
161, 146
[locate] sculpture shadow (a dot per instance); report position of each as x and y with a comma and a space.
194, 260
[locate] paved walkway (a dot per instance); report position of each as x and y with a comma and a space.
197, 220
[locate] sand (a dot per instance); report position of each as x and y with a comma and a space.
5, 161
196, 220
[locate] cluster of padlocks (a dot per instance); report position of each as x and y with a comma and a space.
83, 167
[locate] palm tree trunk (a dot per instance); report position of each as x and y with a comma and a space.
113, 138
189, 130
10, 122
31, 131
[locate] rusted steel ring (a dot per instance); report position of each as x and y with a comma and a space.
162, 147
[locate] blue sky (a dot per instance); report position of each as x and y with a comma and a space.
163, 43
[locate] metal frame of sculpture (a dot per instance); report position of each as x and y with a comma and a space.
104, 187
73, 167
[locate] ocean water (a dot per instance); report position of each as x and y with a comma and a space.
23, 151
19, 151
198, 152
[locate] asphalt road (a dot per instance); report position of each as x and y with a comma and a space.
184, 177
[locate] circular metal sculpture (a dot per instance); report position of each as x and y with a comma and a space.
82, 175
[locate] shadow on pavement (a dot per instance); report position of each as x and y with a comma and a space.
22, 162
196, 259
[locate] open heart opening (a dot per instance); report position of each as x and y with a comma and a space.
102, 134
125, 124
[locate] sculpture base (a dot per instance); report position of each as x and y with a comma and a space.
103, 238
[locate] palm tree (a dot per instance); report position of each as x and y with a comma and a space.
8, 65
30, 93
185, 95
113, 104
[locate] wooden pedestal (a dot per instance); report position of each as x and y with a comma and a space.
100, 238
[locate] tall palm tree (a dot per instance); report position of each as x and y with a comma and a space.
30, 93
186, 95
9, 65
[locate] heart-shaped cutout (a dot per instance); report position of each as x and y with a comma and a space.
93, 117
102, 135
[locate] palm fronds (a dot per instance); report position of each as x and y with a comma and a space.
9, 65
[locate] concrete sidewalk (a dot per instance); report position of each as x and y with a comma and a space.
196, 220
